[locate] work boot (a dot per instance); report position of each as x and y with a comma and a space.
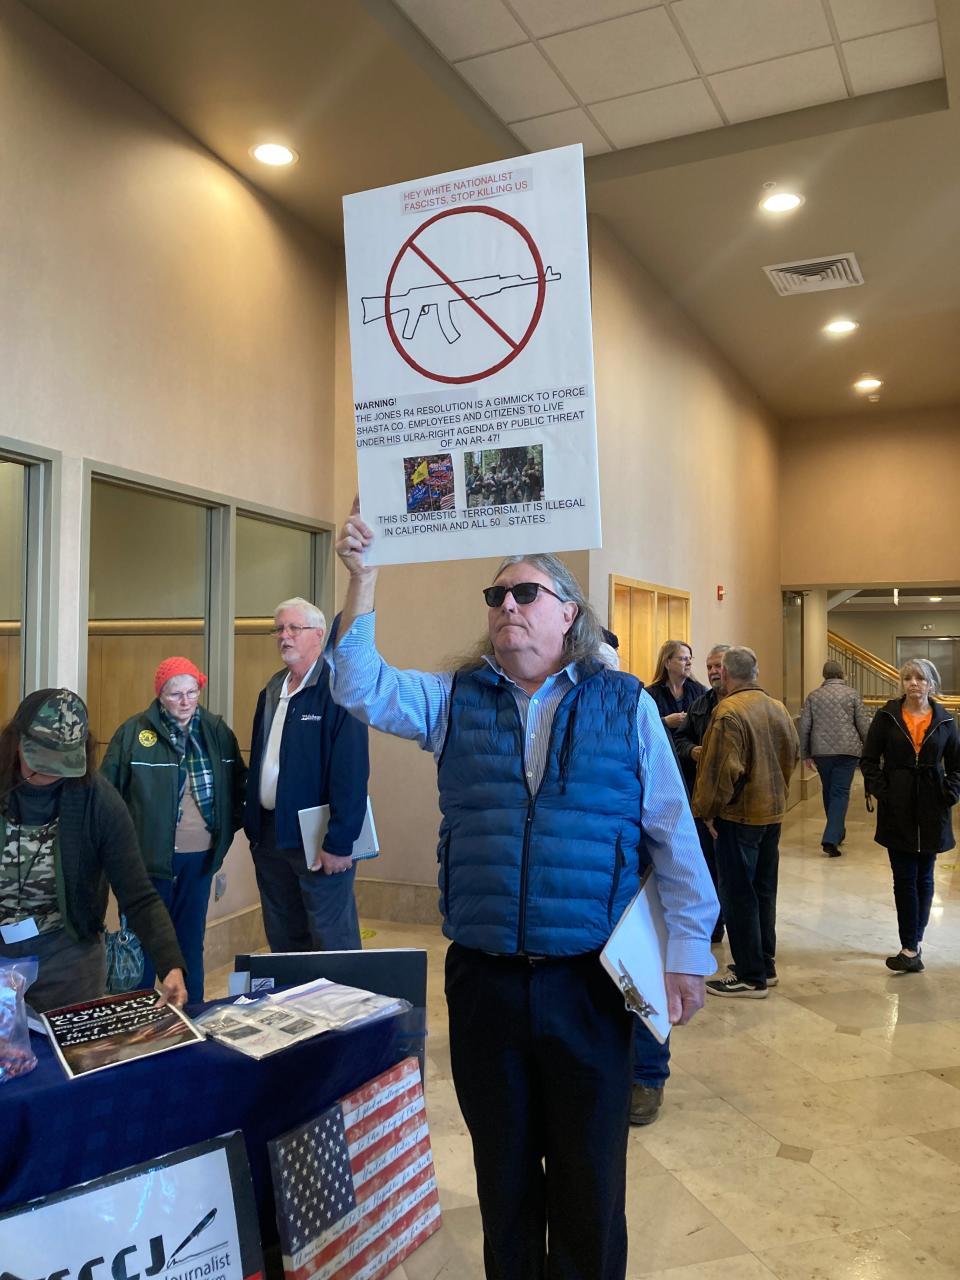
645, 1103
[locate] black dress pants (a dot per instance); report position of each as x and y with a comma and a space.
541, 1057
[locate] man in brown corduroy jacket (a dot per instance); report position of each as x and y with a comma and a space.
750, 750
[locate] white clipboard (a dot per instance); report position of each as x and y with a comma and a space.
635, 957
313, 828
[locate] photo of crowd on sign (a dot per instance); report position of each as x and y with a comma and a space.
499, 476
428, 483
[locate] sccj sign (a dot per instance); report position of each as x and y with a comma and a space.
189, 1215
135, 1261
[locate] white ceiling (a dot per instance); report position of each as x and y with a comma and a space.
615, 74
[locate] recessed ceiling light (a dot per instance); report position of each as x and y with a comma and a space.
934, 599
840, 327
274, 153
781, 202
867, 383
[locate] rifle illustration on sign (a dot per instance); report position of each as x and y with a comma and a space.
422, 299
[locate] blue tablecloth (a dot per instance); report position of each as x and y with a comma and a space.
56, 1132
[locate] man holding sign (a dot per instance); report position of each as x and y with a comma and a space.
552, 770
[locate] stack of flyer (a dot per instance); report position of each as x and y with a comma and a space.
277, 1021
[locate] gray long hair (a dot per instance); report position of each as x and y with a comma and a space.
582, 642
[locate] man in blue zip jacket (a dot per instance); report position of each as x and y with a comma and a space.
553, 770
305, 751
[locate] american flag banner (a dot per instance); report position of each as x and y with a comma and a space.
355, 1188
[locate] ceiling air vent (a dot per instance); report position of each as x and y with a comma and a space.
842, 271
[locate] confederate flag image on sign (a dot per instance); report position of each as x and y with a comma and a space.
355, 1188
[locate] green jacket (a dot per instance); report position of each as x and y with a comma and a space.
142, 763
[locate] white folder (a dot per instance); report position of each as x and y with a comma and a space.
313, 828
635, 957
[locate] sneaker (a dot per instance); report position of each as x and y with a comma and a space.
645, 1103
732, 986
772, 978
831, 850
904, 964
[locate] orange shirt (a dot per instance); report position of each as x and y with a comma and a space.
917, 725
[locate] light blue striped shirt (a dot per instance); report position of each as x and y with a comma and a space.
416, 704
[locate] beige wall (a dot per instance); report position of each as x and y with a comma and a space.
871, 499
688, 466
155, 311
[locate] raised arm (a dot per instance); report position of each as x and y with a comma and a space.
410, 704
355, 537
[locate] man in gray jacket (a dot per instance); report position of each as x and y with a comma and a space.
833, 727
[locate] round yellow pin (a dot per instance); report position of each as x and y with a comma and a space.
148, 738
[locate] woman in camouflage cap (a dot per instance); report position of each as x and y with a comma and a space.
65, 835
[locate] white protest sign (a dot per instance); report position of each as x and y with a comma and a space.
176, 1217
471, 344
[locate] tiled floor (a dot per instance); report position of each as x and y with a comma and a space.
811, 1136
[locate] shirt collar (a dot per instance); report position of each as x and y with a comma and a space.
570, 671
285, 687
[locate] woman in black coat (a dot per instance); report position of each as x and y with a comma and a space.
911, 764
673, 688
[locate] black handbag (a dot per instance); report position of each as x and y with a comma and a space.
124, 959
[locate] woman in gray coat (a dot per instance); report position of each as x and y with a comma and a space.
833, 728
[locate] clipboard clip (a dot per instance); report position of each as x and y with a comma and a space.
632, 998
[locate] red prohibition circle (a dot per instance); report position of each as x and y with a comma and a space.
528, 239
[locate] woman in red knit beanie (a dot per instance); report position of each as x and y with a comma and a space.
179, 769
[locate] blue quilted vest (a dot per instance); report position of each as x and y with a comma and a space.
547, 873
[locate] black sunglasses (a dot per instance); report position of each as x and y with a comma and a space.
522, 592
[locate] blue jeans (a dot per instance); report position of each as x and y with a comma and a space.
186, 897
303, 910
912, 893
836, 775
651, 1059
748, 859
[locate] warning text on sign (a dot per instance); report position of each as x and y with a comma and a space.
457, 421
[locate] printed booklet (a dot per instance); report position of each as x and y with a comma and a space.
116, 1029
